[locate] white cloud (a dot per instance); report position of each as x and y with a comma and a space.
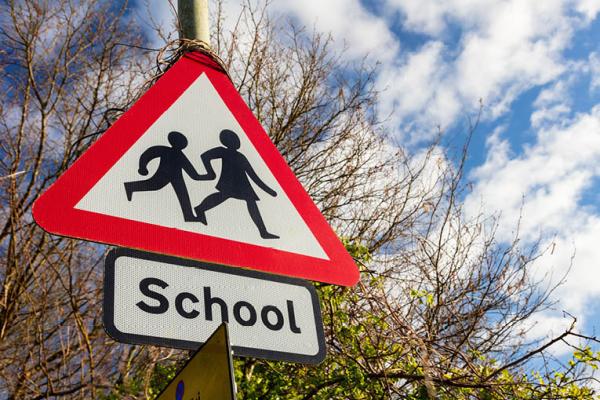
349, 24
504, 48
553, 103
546, 184
588, 7
518, 48
416, 85
552, 174
432, 17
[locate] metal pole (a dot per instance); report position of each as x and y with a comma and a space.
193, 20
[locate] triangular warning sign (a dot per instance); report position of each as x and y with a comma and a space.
188, 171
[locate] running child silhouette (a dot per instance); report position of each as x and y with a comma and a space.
233, 182
170, 171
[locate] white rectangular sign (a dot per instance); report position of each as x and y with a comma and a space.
167, 301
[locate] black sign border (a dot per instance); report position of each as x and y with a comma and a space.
130, 338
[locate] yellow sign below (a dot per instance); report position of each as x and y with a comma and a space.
208, 375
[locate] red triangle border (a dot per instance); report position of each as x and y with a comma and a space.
55, 209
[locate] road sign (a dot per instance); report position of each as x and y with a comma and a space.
207, 375
189, 171
168, 301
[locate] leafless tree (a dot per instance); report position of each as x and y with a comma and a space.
65, 76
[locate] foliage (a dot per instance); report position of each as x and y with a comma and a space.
344, 375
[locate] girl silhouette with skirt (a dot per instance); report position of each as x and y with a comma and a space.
233, 182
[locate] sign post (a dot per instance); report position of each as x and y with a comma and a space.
193, 20
208, 374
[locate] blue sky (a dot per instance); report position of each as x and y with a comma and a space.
535, 64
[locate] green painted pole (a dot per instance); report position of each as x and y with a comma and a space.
193, 20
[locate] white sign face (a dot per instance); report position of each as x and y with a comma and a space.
166, 301
197, 160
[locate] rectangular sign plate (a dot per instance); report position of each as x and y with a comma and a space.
172, 302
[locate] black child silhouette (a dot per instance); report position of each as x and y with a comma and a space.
233, 182
170, 171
